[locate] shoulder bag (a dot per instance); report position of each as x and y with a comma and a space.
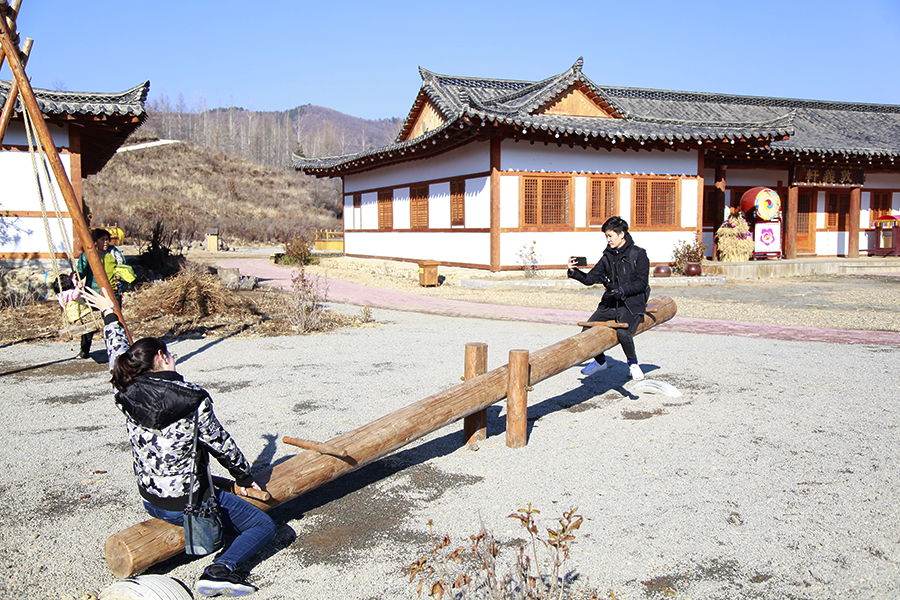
202, 521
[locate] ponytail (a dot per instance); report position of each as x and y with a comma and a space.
137, 360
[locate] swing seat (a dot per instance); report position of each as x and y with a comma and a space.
86, 325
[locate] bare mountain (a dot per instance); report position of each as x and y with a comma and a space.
181, 189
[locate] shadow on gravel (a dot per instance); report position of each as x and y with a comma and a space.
368, 507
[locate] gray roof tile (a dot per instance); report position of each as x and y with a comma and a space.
782, 125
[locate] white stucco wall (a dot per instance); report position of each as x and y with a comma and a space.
401, 208
458, 246
509, 201
15, 135
20, 194
471, 159
478, 203
690, 203
556, 248
523, 156
439, 206
581, 202
754, 177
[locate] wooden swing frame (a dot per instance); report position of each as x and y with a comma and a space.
20, 86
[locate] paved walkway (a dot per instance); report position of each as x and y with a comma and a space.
360, 295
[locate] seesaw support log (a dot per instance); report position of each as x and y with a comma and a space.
133, 550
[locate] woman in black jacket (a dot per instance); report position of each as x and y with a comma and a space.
624, 270
159, 408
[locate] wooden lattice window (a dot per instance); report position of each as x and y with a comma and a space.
545, 201
880, 206
603, 201
418, 207
458, 202
838, 210
655, 202
386, 209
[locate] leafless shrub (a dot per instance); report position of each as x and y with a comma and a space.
298, 249
305, 309
464, 574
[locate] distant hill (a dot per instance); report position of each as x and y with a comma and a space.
233, 171
181, 189
268, 138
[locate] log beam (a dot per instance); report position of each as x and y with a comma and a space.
133, 550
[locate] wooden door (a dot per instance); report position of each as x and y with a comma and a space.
806, 222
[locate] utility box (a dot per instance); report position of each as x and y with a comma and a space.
428, 273
212, 239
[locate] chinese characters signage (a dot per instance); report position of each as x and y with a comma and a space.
829, 176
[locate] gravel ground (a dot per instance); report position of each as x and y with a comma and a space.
775, 475
868, 302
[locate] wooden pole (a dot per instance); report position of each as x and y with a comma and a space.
13, 94
79, 223
135, 549
853, 225
517, 400
475, 425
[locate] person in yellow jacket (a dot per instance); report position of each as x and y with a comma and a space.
111, 257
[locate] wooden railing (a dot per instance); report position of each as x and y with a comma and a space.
329, 241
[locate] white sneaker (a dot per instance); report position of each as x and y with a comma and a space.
594, 366
636, 372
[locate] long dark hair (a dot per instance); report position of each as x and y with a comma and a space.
138, 359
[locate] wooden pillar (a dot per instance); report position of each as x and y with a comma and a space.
719, 199
789, 235
75, 174
517, 400
853, 226
475, 425
495, 204
701, 165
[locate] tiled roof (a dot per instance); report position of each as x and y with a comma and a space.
129, 102
674, 119
120, 115
819, 126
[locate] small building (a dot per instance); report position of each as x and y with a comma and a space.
486, 168
87, 129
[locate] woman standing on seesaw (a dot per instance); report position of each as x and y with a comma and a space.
160, 409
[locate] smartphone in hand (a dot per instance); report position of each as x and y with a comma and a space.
580, 261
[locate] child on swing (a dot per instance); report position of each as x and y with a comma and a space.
68, 294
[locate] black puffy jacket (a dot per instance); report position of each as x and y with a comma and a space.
627, 267
159, 410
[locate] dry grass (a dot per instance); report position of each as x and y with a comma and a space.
190, 188
191, 304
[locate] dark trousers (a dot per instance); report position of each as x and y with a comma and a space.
625, 336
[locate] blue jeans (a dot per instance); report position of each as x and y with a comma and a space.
253, 528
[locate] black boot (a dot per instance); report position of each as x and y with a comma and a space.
86, 340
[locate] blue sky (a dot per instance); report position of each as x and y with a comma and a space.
362, 58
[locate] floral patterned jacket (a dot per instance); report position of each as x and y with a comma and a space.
159, 410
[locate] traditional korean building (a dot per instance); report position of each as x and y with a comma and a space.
483, 168
87, 129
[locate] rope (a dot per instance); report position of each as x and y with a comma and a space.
29, 130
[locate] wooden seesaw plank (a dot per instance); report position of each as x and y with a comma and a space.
133, 550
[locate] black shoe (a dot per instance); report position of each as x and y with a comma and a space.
218, 580
84, 354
